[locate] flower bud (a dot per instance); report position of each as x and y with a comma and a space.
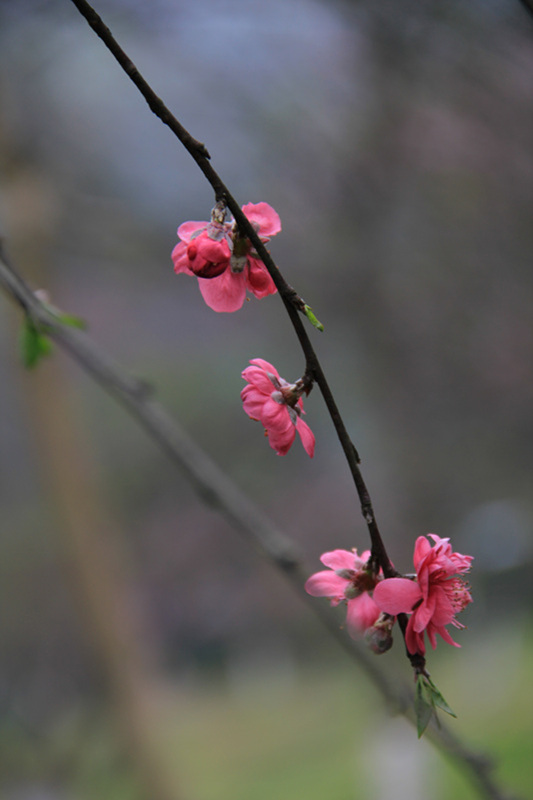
208, 258
379, 636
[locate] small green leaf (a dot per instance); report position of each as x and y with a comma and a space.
423, 708
427, 700
308, 311
33, 344
438, 700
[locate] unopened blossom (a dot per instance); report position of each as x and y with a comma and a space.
434, 598
348, 580
223, 261
277, 405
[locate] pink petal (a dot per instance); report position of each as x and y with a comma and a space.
258, 279
461, 563
281, 431
226, 292
423, 577
422, 548
443, 612
263, 215
443, 633
439, 540
258, 376
253, 402
210, 250
282, 442
397, 595
431, 631
187, 229
180, 259
362, 613
414, 641
276, 416
325, 584
338, 559
266, 365
307, 437
424, 613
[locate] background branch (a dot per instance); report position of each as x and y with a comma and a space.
216, 489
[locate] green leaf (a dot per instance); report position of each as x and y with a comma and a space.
308, 311
424, 709
427, 700
33, 344
438, 700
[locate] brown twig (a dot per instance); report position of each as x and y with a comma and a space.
528, 5
291, 300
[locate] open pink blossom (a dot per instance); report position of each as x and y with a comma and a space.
277, 405
223, 261
347, 580
433, 600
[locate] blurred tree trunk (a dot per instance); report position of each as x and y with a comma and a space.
95, 558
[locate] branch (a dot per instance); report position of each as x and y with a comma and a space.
217, 490
291, 300
528, 5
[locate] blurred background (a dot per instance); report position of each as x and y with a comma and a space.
148, 653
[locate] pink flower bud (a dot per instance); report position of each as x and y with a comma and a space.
224, 261
379, 636
207, 257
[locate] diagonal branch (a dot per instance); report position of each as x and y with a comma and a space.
528, 5
217, 490
210, 482
291, 300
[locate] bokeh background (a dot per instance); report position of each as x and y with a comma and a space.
148, 653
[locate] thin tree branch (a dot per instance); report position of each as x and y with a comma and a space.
528, 5
211, 483
291, 300
194, 147
215, 488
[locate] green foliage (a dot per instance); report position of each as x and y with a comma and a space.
427, 700
308, 311
34, 342
34, 345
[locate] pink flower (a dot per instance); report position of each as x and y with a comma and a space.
433, 600
223, 261
348, 580
277, 405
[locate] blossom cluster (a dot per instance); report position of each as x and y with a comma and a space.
432, 598
223, 261
227, 266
